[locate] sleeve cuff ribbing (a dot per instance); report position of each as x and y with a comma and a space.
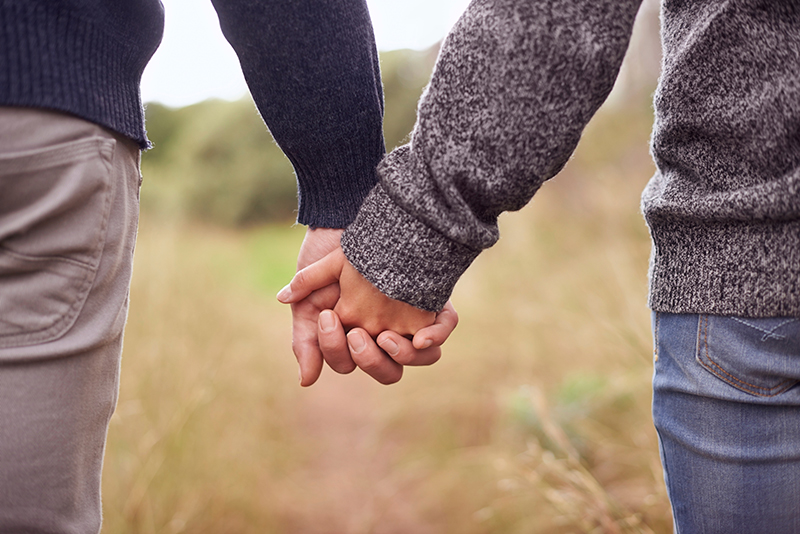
405, 259
334, 178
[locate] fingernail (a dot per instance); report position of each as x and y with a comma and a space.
285, 293
326, 321
356, 341
390, 347
427, 343
300, 375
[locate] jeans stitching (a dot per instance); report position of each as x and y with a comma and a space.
655, 336
767, 333
732, 380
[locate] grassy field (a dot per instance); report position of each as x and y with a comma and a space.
536, 420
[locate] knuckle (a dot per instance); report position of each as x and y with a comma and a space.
346, 315
369, 365
372, 328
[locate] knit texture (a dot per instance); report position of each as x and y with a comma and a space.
85, 58
313, 70
724, 207
514, 86
311, 66
418, 267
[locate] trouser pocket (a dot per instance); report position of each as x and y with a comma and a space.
54, 212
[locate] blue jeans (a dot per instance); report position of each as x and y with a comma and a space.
727, 409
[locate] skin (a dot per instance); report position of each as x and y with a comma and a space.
317, 243
341, 319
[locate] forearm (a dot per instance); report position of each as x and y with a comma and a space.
312, 68
514, 86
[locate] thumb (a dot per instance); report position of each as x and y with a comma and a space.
319, 274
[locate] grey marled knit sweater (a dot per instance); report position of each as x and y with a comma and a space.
515, 84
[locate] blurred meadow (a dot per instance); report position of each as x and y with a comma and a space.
536, 420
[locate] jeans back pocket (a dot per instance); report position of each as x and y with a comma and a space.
758, 356
54, 212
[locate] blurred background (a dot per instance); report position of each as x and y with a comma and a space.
537, 418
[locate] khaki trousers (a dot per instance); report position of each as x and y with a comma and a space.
69, 201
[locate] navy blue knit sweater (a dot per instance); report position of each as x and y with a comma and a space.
311, 66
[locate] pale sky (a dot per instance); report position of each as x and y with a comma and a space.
195, 62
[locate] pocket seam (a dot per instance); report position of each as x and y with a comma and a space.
45, 333
712, 367
53, 156
28, 257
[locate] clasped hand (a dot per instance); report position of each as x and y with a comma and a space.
342, 319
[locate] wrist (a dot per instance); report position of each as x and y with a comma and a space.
401, 256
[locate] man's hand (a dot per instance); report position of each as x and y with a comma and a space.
317, 244
362, 305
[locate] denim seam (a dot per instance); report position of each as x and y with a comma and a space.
655, 336
732, 380
667, 479
767, 333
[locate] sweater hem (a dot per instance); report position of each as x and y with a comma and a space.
46, 63
735, 269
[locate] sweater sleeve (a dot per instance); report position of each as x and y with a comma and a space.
515, 83
312, 68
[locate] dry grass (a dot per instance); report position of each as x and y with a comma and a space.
535, 421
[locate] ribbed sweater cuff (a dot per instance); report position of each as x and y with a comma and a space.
330, 193
332, 186
405, 259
